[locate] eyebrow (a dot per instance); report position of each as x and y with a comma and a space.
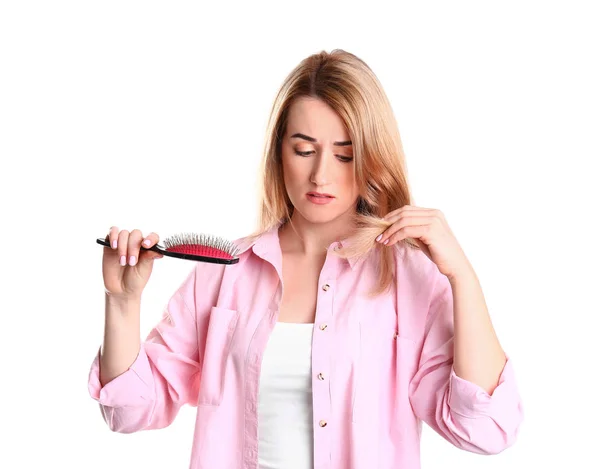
311, 139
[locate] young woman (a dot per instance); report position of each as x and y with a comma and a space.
352, 316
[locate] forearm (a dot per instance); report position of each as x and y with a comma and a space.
478, 356
121, 337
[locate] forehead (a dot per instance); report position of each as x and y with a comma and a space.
314, 117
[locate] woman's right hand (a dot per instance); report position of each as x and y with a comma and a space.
127, 281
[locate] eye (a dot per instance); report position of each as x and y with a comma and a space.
343, 159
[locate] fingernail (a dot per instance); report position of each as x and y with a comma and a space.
147, 242
386, 241
379, 237
114, 244
132, 260
122, 260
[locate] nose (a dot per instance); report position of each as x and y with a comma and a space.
320, 174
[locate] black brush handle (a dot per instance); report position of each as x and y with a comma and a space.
179, 255
154, 248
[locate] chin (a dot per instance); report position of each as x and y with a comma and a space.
320, 219
318, 214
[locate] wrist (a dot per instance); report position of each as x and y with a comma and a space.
466, 273
122, 303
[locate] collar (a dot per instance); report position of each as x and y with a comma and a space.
267, 246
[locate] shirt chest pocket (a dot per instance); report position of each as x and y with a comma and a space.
221, 326
375, 366
386, 362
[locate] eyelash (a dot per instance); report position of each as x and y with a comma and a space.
344, 159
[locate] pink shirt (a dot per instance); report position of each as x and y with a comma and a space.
380, 366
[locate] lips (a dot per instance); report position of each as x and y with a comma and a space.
318, 194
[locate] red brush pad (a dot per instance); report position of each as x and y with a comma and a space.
200, 250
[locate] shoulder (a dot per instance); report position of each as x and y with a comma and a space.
239, 246
247, 245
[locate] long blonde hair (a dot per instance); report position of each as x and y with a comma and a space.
349, 87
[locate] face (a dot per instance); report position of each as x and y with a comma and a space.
317, 158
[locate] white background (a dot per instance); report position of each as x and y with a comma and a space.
151, 115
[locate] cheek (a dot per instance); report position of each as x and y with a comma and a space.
292, 173
291, 176
349, 182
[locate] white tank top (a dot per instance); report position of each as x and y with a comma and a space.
285, 414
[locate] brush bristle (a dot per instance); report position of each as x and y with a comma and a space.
201, 245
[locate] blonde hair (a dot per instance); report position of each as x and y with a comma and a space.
349, 87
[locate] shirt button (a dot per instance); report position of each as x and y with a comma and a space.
323, 326
320, 376
322, 423
326, 287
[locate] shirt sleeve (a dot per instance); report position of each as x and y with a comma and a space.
164, 375
461, 411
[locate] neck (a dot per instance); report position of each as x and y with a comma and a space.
303, 237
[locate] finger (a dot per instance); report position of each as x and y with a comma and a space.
412, 231
398, 225
404, 208
392, 214
112, 236
405, 214
150, 240
122, 246
412, 211
133, 246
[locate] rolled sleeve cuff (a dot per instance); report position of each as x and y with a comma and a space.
133, 387
471, 400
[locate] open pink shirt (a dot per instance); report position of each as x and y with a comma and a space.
380, 365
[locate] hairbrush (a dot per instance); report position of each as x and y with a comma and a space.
194, 247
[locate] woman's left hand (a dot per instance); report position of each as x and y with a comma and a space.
430, 230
